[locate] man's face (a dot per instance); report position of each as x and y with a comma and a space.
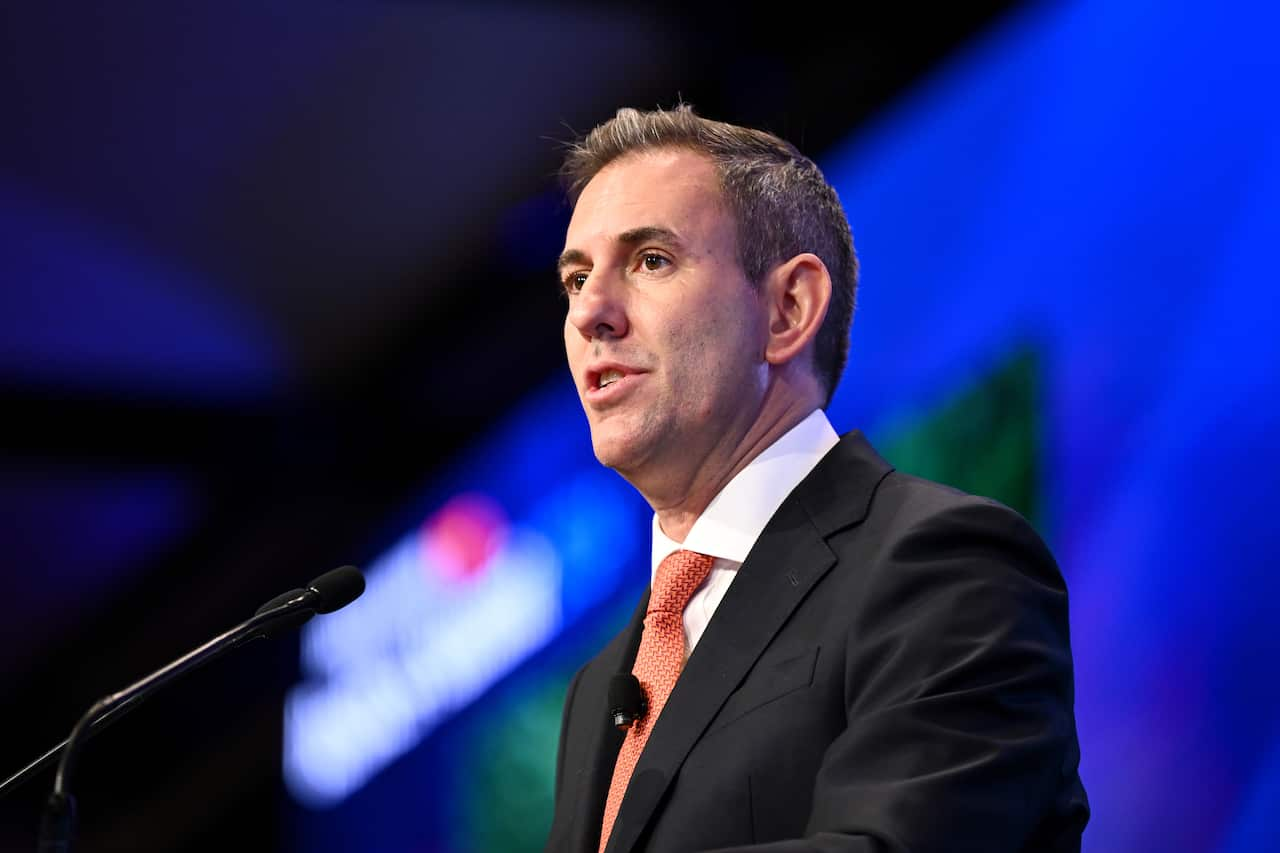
664, 334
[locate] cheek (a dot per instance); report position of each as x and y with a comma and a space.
722, 364
699, 362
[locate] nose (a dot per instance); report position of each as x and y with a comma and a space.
598, 309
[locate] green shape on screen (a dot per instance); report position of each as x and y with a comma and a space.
510, 787
984, 439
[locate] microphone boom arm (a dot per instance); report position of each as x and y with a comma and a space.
111, 708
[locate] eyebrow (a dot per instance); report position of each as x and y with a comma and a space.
631, 237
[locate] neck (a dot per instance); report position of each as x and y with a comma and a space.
681, 497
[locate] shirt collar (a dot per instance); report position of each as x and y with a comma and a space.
735, 518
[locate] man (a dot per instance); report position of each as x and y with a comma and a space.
834, 656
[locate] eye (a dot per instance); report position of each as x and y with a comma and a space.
653, 262
574, 281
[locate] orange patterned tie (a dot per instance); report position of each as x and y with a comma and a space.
658, 662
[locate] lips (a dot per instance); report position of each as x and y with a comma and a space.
606, 383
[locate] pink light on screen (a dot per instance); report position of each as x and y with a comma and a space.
460, 539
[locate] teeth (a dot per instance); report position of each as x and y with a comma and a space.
609, 377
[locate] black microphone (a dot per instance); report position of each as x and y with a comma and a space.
334, 590
627, 702
325, 594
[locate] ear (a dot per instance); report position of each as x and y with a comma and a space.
798, 292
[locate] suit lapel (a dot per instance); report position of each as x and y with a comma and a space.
790, 556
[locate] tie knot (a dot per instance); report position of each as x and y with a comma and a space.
679, 575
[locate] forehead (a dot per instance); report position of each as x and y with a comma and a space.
675, 189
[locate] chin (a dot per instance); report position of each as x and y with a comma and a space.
615, 451
609, 454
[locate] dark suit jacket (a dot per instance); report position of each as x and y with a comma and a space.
889, 671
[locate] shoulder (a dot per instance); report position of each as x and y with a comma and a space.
918, 519
904, 500
956, 571
914, 551
860, 500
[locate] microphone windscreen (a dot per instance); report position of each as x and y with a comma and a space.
337, 588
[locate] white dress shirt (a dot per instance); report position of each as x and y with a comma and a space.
733, 521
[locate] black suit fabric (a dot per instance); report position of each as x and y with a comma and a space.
890, 671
